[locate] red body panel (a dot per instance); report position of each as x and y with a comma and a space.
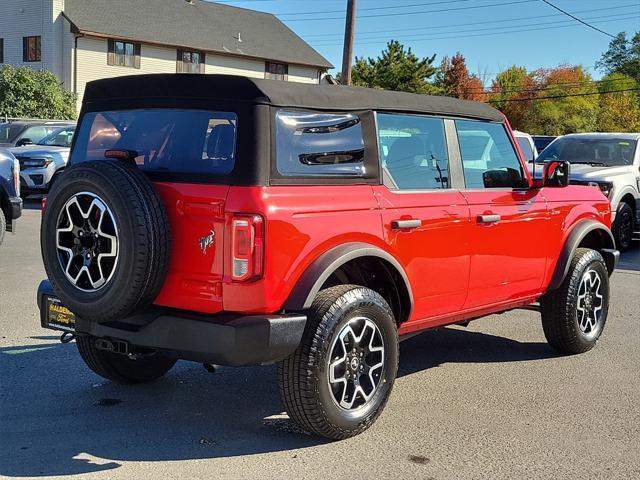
436, 256
458, 267
195, 212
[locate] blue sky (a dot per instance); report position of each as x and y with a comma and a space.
473, 27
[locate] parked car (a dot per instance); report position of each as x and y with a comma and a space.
235, 221
18, 134
542, 141
41, 164
10, 201
527, 146
610, 161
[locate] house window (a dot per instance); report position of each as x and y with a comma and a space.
123, 54
189, 61
31, 49
276, 71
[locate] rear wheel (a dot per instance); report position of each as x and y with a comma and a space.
623, 226
122, 368
574, 315
105, 240
338, 381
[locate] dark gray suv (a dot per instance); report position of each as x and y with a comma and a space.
10, 201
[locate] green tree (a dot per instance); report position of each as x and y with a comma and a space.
511, 92
397, 69
29, 93
574, 104
623, 56
619, 111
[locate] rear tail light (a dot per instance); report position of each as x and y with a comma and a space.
247, 253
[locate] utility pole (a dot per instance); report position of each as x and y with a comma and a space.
349, 33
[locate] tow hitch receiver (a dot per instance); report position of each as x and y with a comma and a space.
113, 345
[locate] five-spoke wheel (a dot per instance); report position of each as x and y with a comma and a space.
87, 241
357, 361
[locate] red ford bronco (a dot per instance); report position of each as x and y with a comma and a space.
233, 221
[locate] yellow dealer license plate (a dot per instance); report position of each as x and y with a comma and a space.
58, 316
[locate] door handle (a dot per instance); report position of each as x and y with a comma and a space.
488, 218
403, 224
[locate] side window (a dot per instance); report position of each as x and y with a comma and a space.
35, 134
319, 144
525, 148
413, 151
488, 156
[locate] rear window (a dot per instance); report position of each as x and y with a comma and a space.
163, 140
319, 144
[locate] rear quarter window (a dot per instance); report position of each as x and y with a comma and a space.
163, 140
319, 144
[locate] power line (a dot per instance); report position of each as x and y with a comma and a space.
434, 27
421, 12
577, 19
550, 97
410, 5
478, 35
567, 23
569, 85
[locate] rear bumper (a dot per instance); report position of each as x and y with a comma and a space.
224, 339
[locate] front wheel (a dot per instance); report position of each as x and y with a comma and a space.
121, 368
337, 382
574, 315
623, 227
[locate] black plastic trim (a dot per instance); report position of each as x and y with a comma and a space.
224, 339
576, 236
324, 266
16, 207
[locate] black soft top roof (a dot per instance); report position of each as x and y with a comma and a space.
158, 88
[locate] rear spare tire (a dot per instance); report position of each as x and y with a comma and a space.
105, 240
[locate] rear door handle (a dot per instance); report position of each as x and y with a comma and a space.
488, 218
402, 224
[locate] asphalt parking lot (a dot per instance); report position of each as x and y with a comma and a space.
488, 401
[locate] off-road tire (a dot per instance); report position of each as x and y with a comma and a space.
143, 230
120, 368
304, 387
623, 227
3, 225
559, 307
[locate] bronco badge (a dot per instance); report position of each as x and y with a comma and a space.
206, 242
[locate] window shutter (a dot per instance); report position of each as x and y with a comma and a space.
179, 61
1, 50
25, 49
203, 60
136, 52
110, 54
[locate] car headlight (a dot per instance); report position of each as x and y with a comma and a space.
605, 187
16, 176
36, 162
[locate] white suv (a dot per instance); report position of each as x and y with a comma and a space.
610, 161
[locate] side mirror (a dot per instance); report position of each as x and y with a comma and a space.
556, 173
24, 141
502, 178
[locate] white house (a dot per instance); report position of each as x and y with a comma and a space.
84, 40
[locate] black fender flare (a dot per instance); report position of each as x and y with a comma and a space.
577, 235
309, 284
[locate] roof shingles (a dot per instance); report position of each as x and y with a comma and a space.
198, 24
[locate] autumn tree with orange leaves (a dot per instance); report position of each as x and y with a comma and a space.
455, 80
